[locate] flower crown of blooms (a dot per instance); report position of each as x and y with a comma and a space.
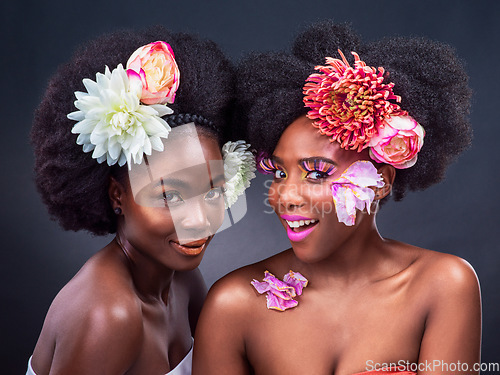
239, 169
351, 105
120, 115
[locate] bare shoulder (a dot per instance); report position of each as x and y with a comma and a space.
229, 313
95, 312
445, 275
99, 299
234, 292
442, 268
448, 290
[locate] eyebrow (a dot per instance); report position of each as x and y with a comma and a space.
309, 159
174, 182
317, 158
217, 179
276, 158
181, 184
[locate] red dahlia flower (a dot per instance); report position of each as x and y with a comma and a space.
350, 104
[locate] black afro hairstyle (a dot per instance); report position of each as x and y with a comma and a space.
428, 76
73, 185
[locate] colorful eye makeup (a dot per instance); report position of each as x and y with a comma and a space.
313, 168
267, 165
317, 168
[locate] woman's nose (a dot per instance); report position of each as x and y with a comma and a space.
196, 217
290, 195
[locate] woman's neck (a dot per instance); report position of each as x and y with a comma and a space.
151, 279
354, 261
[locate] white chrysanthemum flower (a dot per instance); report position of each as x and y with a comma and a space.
239, 169
113, 123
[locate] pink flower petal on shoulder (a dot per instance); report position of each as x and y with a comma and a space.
276, 303
296, 280
261, 287
280, 294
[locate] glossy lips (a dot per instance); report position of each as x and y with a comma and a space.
296, 221
192, 248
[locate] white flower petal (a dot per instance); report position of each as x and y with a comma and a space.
162, 109
101, 159
239, 168
77, 116
146, 110
137, 157
85, 126
91, 86
83, 139
98, 138
88, 147
80, 95
122, 160
107, 72
156, 143
114, 149
100, 149
156, 127
147, 146
102, 81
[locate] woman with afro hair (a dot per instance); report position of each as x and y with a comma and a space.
137, 154
341, 126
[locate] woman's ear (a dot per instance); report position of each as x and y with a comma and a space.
115, 193
388, 173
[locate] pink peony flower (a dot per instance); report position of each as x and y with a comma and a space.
280, 294
349, 104
154, 66
398, 142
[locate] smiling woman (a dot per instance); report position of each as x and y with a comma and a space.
146, 165
186, 178
350, 298
311, 163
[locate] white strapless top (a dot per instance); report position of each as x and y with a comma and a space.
183, 368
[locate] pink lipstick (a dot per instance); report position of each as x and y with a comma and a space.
298, 227
298, 236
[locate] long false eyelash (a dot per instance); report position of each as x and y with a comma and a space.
267, 166
319, 166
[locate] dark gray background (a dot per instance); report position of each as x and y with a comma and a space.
459, 216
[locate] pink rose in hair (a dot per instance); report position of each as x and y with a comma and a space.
155, 67
398, 142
